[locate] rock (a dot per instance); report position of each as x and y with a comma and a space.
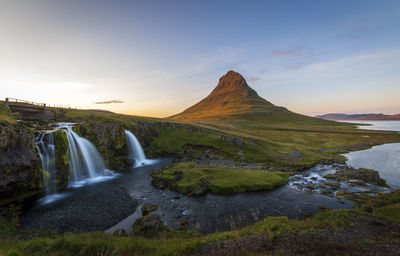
201, 187
362, 174
148, 208
148, 225
326, 191
237, 141
333, 185
20, 171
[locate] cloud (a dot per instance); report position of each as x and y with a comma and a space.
253, 79
278, 53
73, 85
354, 34
293, 65
369, 64
109, 102
362, 28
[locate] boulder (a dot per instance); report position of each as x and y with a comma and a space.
148, 208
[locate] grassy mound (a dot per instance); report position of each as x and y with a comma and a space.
192, 179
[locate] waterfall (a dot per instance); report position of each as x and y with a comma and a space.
84, 159
46, 151
135, 150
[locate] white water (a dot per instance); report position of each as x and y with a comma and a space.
86, 166
46, 150
136, 151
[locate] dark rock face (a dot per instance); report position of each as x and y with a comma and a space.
19, 165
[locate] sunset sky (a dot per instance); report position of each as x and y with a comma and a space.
156, 58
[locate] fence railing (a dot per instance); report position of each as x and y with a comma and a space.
13, 100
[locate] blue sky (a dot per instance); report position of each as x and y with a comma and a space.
160, 57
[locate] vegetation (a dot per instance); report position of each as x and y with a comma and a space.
6, 116
169, 242
384, 205
192, 179
61, 158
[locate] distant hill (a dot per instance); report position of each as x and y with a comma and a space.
339, 116
234, 100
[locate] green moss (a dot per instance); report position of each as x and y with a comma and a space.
61, 155
190, 178
109, 139
6, 117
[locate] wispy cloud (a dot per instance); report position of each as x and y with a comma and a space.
73, 85
109, 102
368, 64
293, 65
354, 34
253, 79
278, 53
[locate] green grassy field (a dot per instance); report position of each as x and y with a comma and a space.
282, 145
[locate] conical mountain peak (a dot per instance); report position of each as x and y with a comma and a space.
232, 96
233, 83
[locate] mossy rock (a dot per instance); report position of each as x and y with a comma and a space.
61, 153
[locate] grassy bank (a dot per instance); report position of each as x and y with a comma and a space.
193, 179
173, 242
6, 116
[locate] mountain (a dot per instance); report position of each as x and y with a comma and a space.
339, 116
234, 100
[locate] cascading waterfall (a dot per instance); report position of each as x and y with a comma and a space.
135, 150
84, 159
46, 150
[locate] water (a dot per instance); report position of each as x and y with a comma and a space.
46, 151
376, 125
84, 159
207, 213
384, 158
86, 166
136, 151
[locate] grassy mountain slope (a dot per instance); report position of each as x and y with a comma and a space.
234, 100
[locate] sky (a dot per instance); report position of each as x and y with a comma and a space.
156, 58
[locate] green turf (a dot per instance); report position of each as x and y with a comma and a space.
219, 179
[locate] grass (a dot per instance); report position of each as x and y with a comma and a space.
170, 243
6, 116
273, 144
187, 177
384, 205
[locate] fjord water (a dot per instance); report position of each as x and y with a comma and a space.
384, 158
135, 150
393, 125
